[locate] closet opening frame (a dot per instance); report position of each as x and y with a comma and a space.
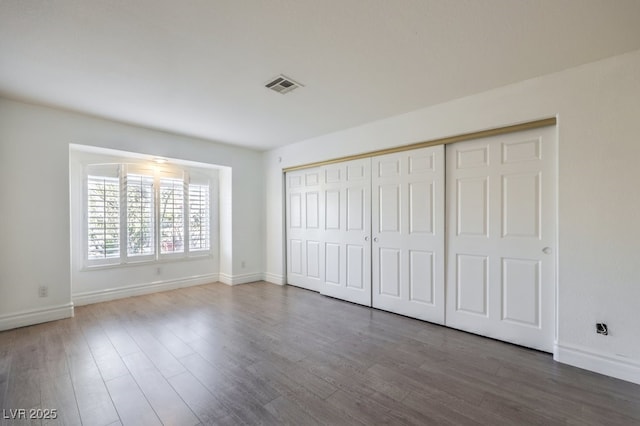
545, 122
552, 121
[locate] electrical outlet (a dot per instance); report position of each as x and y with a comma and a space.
601, 328
43, 291
243, 264
158, 270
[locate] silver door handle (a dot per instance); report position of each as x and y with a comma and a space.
375, 239
546, 250
366, 238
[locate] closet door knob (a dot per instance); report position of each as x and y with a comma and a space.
546, 250
366, 238
375, 239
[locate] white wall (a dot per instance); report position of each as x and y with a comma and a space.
34, 156
598, 110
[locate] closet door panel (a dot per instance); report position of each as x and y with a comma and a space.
304, 215
346, 231
501, 237
408, 233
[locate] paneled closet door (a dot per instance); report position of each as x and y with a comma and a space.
304, 228
408, 233
346, 231
501, 237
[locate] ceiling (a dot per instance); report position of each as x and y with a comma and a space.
199, 67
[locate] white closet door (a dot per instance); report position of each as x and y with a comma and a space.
501, 237
346, 231
304, 228
408, 233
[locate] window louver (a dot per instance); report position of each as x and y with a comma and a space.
103, 217
140, 215
199, 231
171, 215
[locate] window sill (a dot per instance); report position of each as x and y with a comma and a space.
162, 261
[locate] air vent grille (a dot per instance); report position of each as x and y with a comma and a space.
282, 84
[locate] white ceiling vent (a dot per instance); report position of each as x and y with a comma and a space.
282, 84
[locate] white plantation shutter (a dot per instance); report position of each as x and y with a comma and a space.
140, 215
199, 220
138, 212
171, 215
103, 213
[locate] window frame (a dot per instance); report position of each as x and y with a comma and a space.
199, 181
204, 177
104, 170
124, 218
165, 174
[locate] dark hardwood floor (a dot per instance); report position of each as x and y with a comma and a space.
265, 354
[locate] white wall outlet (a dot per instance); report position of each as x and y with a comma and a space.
158, 270
43, 291
243, 264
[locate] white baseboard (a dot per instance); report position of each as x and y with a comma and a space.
225, 278
89, 297
240, 279
36, 316
274, 278
607, 364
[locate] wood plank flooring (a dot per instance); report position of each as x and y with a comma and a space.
266, 354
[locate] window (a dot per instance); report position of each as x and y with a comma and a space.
140, 215
199, 229
103, 215
154, 214
171, 215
